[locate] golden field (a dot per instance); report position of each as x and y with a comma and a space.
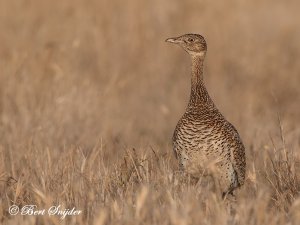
90, 95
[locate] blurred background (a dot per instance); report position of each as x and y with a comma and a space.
75, 73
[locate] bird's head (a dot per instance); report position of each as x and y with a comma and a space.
194, 44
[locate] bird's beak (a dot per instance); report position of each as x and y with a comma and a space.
173, 40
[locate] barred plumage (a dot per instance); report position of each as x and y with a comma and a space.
204, 142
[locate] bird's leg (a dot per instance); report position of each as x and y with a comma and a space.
227, 193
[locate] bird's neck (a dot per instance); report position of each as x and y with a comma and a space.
199, 95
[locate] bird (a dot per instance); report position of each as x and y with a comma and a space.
204, 142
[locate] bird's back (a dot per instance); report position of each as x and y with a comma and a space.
206, 143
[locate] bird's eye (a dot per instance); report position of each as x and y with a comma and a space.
191, 40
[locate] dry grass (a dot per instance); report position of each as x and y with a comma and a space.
82, 84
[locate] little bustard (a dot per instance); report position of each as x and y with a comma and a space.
204, 142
